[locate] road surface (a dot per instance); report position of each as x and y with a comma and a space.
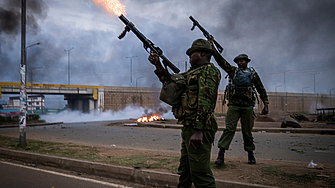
13, 175
279, 146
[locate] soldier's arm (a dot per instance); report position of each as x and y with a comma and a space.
208, 83
160, 71
260, 89
222, 62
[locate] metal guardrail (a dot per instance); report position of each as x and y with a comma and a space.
13, 87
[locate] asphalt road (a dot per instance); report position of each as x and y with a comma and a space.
17, 176
279, 146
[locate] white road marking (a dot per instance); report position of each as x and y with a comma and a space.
66, 175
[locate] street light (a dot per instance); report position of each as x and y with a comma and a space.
131, 69
68, 65
285, 79
277, 87
285, 89
314, 79
26, 55
138, 79
276, 93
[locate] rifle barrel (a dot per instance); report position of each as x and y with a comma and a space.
146, 42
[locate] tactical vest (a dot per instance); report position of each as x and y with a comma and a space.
188, 99
174, 87
241, 85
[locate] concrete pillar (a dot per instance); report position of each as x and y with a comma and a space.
70, 104
78, 105
91, 106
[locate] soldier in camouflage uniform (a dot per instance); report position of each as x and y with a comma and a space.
196, 114
240, 107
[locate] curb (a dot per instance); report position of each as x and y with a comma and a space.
255, 129
139, 176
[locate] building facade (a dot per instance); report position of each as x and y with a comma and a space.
34, 102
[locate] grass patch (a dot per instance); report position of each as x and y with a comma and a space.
147, 162
90, 153
300, 179
303, 179
272, 170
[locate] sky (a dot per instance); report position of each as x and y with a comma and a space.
291, 38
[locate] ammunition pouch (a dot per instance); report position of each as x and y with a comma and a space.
172, 90
189, 104
246, 92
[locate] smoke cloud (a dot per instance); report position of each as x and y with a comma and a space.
295, 37
129, 112
10, 16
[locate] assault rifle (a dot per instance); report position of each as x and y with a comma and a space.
206, 34
146, 43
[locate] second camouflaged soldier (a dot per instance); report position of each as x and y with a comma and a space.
196, 114
241, 96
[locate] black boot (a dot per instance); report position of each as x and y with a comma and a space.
251, 158
220, 159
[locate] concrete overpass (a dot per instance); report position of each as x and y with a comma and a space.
84, 98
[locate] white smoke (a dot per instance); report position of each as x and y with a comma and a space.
129, 112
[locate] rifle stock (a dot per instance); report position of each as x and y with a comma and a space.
146, 43
206, 33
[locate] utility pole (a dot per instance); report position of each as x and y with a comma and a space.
23, 76
276, 93
314, 79
285, 90
68, 65
131, 69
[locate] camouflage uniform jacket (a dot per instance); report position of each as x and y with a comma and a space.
233, 100
199, 100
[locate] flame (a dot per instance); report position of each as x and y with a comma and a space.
111, 6
152, 118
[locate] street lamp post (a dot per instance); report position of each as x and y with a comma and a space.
285, 79
276, 94
23, 77
138, 79
314, 79
23, 88
302, 96
68, 65
26, 56
285, 89
131, 69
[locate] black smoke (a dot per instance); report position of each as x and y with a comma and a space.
10, 16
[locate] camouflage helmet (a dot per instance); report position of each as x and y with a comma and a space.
200, 45
242, 56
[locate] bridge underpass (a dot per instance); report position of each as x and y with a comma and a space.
83, 98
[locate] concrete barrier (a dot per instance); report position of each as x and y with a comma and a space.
129, 174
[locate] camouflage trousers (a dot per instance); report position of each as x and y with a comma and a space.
235, 113
195, 163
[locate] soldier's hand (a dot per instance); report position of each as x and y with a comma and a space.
154, 58
265, 109
196, 139
211, 40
